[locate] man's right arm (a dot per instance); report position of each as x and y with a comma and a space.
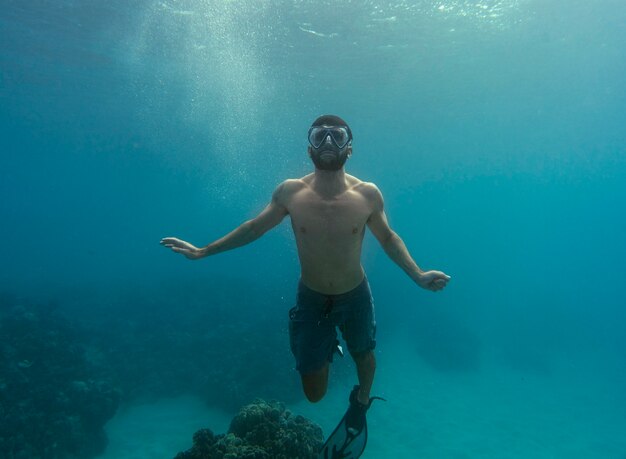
245, 233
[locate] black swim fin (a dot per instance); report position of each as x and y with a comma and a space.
349, 438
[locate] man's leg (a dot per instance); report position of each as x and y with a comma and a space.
315, 384
365, 367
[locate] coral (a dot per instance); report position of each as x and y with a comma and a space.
261, 430
53, 403
65, 369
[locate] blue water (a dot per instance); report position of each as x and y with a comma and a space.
494, 129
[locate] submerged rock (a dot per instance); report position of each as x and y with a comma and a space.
261, 430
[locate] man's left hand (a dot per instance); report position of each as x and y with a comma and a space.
433, 280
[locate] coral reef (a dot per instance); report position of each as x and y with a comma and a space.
261, 430
53, 402
65, 368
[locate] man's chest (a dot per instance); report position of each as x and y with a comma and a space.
345, 215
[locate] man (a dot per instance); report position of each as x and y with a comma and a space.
329, 211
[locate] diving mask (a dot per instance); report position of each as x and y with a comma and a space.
340, 135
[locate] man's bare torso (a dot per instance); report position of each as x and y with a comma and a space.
329, 229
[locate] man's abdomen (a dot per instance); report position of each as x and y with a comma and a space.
331, 275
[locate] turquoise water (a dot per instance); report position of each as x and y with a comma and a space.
494, 129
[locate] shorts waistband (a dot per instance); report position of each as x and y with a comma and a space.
363, 285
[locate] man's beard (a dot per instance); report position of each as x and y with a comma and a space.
329, 160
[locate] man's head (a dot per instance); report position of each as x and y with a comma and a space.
330, 140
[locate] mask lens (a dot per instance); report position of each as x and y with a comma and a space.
317, 136
340, 136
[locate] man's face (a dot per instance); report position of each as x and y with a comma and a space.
330, 146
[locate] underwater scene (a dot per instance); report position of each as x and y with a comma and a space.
495, 132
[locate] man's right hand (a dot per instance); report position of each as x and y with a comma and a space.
189, 250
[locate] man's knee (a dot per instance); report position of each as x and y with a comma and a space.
314, 393
315, 384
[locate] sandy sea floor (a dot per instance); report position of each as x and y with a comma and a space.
496, 412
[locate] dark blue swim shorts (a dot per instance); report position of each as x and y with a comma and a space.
314, 319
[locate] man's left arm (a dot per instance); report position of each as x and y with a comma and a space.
396, 249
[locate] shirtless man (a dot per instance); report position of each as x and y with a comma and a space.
329, 211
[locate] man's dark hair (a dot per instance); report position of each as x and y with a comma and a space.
331, 120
